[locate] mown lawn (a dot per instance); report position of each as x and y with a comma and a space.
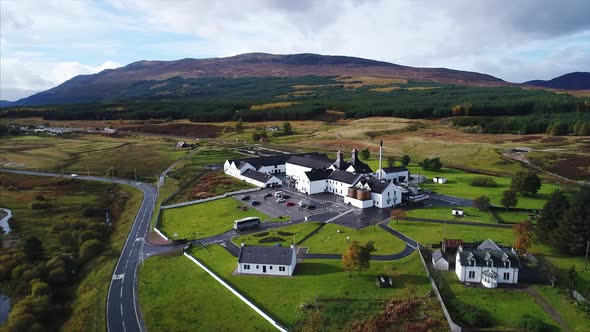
573, 314
444, 213
204, 219
564, 262
177, 295
329, 241
298, 231
513, 217
429, 233
504, 306
282, 296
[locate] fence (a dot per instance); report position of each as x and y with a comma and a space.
209, 198
578, 296
237, 294
454, 327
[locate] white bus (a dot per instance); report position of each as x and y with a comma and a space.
249, 222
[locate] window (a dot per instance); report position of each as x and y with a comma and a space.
257, 267
282, 268
472, 262
471, 274
270, 267
507, 264
506, 275
246, 267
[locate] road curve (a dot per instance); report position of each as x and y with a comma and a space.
122, 312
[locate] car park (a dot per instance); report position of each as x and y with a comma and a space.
281, 200
278, 193
245, 198
254, 203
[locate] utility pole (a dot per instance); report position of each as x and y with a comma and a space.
586, 262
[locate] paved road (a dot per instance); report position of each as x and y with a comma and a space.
123, 313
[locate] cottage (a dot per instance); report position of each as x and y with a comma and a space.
266, 260
439, 261
438, 179
457, 213
489, 265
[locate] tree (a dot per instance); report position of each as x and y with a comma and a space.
256, 136
574, 226
365, 154
405, 160
524, 233
351, 257
365, 255
432, 164
571, 277
509, 199
527, 183
239, 126
287, 128
90, 249
398, 214
552, 212
390, 161
481, 202
33, 249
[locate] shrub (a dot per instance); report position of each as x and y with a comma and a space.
271, 239
285, 233
471, 316
40, 205
533, 324
90, 249
483, 181
263, 234
431, 164
92, 212
40, 197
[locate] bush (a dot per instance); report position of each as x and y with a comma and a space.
90, 249
40, 205
263, 234
271, 239
92, 212
40, 197
533, 324
431, 164
471, 316
483, 181
285, 233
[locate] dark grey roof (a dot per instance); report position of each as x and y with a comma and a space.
255, 175
272, 160
488, 245
360, 167
266, 255
343, 176
376, 185
318, 174
313, 161
497, 256
395, 169
437, 255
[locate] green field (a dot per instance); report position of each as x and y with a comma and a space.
504, 306
444, 213
282, 296
564, 262
177, 295
329, 241
513, 217
429, 233
204, 219
573, 314
298, 231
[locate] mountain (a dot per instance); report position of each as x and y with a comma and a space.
118, 84
6, 103
572, 81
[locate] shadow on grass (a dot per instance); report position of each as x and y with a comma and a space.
310, 268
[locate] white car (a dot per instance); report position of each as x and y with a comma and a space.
74, 175
281, 200
278, 193
303, 203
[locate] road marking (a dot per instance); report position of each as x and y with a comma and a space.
138, 239
118, 276
121, 292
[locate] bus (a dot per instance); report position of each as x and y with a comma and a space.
249, 222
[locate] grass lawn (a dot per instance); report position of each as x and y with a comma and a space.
504, 306
429, 233
204, 219
513, 217
573, 315
444, 213
564, 262
177, 295
298, 231
281, 296
329, 241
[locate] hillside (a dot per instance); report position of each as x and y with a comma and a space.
122, 83
571, 81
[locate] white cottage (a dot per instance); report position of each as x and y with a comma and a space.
267, 260
489, 265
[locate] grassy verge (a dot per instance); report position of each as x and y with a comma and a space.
317, 278
429, 233
177, 295
329, 241
288, 234
444, 213
204, 219
574, 316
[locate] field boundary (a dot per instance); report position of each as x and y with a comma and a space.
237, 294
232, 193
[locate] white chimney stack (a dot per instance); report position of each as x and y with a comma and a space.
380, 160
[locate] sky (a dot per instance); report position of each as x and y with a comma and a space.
44, 43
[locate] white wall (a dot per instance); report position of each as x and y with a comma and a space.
310, 187
338, 188
393, 177
296, 171
441, 264
391, 196
358, 203
463, 272
271, 269
273, 169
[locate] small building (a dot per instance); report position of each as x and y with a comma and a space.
109, 130
440, 180
273, 128
439, 261
396, 174
267, 260
261, 180
457, 213
451, 245
488, 264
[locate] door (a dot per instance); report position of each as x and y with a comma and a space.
263, 268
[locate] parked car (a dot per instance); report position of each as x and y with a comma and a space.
285, 196
74, 175
303, 203
311, 207
245, 198
268, 195
278, 193
254, 203
281, 200
290, 204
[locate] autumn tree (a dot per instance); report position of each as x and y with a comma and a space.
351, 257
509, 199
524, 236
481, 202
398, 214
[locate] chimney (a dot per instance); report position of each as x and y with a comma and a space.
380, 160
339, 159
354, 158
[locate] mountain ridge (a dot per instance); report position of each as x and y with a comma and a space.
571, 81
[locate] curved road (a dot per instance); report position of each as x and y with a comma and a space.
123, 313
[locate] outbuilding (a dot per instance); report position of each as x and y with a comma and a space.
267, 260
439, 261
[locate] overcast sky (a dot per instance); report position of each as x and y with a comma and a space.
45, 42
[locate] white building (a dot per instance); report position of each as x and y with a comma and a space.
267, 260
396, 174
440, 180
261, 180
383, 194
489, 265
296, 166
439, 261
314, 181
340, 181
